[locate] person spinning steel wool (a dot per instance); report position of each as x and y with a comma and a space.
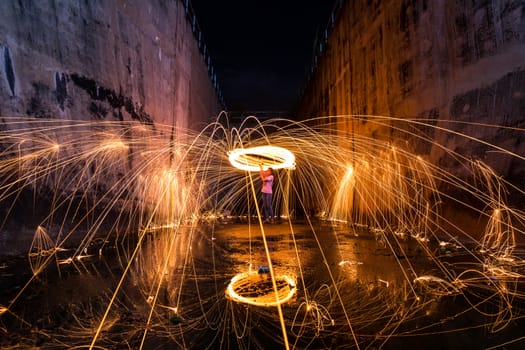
267, 193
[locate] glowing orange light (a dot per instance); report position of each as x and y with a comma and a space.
113, 145
250, 281
349, 172
250, 159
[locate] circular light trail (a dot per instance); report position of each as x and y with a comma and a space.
250, 159
255, 289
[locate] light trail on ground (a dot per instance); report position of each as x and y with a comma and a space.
161, 227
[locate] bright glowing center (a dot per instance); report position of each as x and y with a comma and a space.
250, 159
251, 288
349, 172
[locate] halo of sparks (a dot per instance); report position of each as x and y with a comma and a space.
253, 289
130, 212
251, 159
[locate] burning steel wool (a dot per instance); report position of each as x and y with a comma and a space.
148, 236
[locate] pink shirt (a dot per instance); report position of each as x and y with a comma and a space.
267, 184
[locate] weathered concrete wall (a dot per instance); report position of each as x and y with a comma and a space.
104, 60
449, 60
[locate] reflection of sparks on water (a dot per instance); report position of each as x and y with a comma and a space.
41, 248
437, 285
166, 190
254, 289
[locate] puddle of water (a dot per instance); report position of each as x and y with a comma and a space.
353, 287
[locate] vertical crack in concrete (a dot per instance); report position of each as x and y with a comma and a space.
9, 71
61, 89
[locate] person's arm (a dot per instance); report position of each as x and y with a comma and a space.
261, 173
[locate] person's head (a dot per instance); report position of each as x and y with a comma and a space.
269, 171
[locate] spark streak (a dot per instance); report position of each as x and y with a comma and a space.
173, 223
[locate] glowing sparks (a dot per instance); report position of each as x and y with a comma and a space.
316, 315
255, 289
349, 263
437, 285
163, 185
250, 159
113, 145
349, 172
41, 248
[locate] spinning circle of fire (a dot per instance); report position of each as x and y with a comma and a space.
391, 196
250, 288
250, 159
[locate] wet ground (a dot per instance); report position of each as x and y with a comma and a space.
355, 289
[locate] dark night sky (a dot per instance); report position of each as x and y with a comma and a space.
261, 50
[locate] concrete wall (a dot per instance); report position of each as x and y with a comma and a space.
96, 60
104, 60
443, 59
